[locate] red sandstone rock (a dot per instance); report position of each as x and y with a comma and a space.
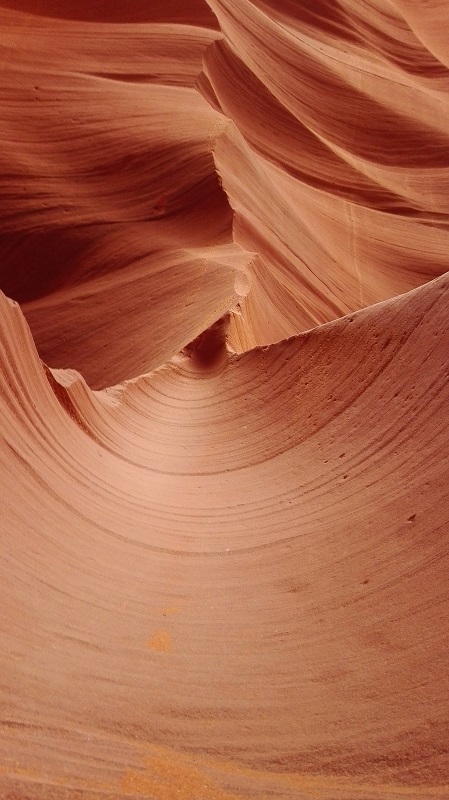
224, 448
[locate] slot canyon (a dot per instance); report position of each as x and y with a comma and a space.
224, 400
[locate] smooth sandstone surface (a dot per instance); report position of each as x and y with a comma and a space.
224, 393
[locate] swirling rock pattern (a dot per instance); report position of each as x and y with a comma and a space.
223, 398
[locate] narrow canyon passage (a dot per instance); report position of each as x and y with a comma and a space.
224, 503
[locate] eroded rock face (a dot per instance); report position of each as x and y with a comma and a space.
223, 400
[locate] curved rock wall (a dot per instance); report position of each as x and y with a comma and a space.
224, 503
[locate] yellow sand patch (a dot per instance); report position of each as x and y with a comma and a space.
160, 641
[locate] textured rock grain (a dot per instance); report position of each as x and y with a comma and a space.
224, 449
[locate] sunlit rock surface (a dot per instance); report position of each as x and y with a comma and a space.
224, 389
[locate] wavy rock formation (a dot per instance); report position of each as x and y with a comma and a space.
224, 386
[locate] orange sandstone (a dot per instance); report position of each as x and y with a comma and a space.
224, 449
